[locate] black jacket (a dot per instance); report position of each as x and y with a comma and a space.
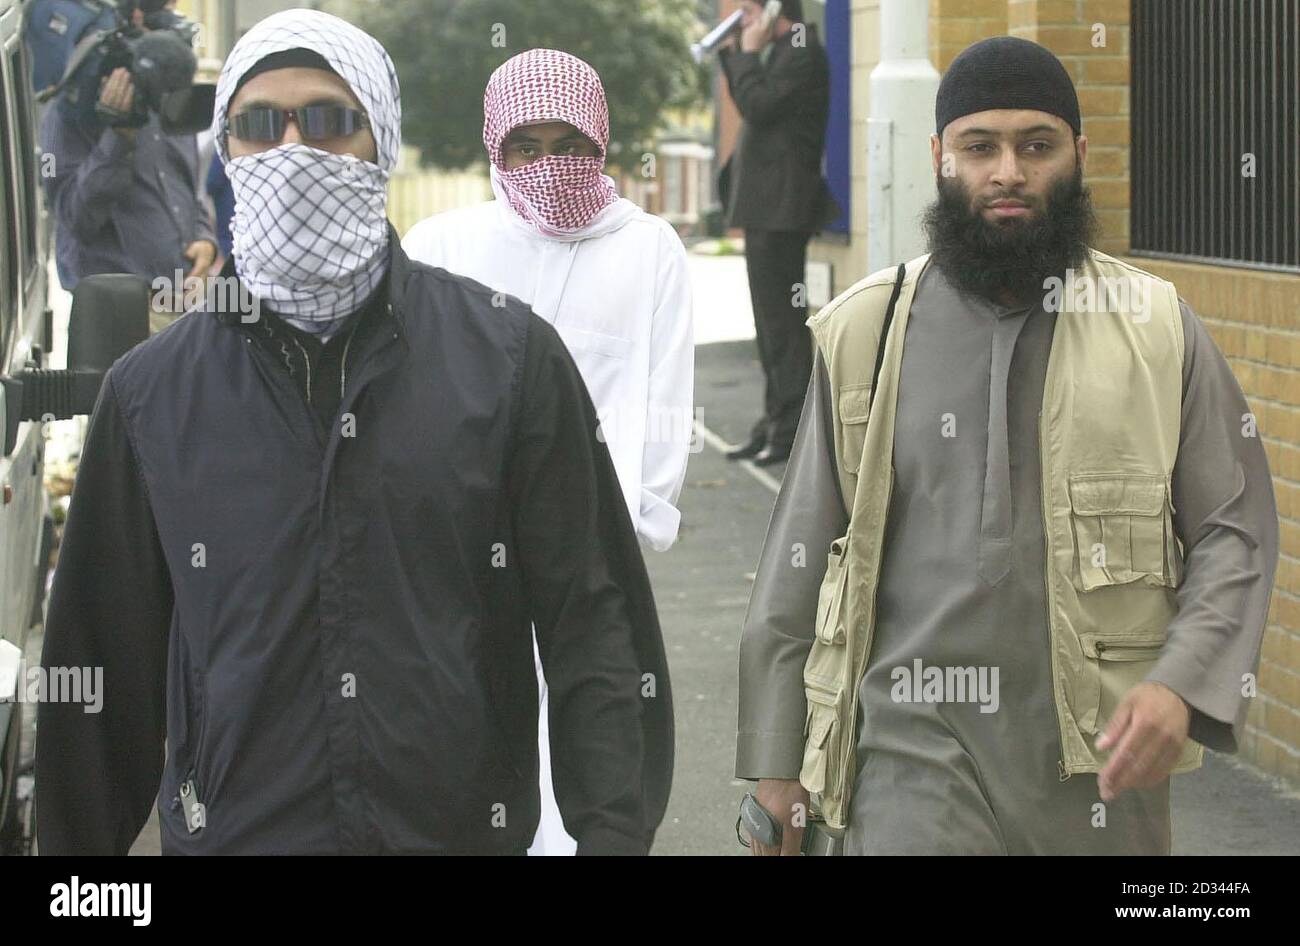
331, 625
773, 180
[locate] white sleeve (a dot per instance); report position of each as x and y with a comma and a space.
671, 396
421, 242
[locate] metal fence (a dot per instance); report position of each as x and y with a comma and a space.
1216, 131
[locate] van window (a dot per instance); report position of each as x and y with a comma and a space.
9, 231
26, 157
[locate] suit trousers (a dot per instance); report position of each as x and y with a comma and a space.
774, 260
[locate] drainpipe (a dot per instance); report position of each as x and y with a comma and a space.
900, 181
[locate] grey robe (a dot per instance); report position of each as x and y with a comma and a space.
946, 778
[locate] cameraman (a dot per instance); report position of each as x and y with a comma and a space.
126, 199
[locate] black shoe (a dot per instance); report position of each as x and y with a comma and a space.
749, 450
770, 456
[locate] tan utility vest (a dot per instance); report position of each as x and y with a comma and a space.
1108, 437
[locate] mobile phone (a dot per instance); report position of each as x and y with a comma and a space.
761, 824
771, 10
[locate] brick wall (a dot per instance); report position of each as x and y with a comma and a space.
955, 24
1074, 30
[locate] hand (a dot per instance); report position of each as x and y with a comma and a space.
1148, 732
780, 797
756, 35
201, 253
117, 95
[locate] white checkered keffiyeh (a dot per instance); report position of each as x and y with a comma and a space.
310, 227
557, 194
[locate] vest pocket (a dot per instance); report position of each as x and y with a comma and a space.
1123, 530
820, 771
1121, 662
830, 598
824, 676
854, 409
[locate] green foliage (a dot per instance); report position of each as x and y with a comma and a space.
445, 50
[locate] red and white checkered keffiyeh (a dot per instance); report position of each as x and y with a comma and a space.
557, 194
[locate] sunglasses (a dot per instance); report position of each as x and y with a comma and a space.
264, 124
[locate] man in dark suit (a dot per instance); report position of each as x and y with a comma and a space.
773, 187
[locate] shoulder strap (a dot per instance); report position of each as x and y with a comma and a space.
884, 331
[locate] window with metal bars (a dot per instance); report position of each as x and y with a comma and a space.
1215, 162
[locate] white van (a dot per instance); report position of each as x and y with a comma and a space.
25, 526
110, 314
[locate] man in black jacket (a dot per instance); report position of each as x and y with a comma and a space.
773, 188
306, 547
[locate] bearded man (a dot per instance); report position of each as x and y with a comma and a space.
1049, 517
308, 547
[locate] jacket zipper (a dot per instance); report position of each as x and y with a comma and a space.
1103, 646
196, 817
1061, 774
188, 799
307, 362
277, 378
343, 370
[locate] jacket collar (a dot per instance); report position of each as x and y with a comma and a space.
399, 276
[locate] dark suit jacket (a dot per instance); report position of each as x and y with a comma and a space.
773, 180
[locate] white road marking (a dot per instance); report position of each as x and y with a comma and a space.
717, 443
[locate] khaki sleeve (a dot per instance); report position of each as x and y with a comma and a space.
778, 629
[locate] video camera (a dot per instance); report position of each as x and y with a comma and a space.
160, 58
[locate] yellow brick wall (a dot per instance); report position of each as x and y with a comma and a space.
955, 24
1091, 37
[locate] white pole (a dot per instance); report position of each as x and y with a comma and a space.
900, 181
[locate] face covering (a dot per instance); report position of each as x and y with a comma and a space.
557, 194
310, 231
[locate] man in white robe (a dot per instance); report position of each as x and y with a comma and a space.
610, 277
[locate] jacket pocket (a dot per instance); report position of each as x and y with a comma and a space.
1123, 530
822, 737
854, 410
1120, 662
830, 598
825, 678
190, 799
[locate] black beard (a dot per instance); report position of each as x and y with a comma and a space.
1011, 258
